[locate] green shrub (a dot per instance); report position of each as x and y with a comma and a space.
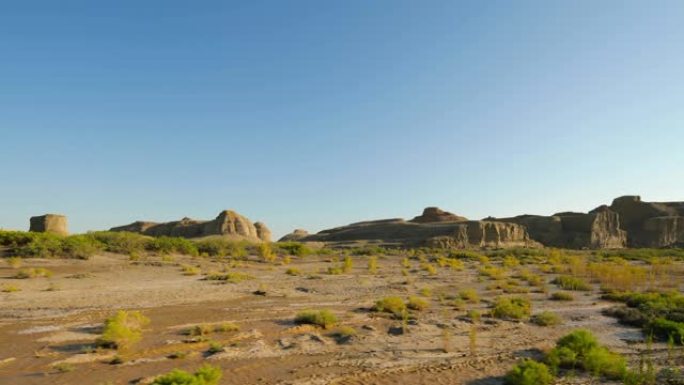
546, 318
562, 296
529, 372
394, 305
658, 314
579, 341
602, 362
232, 277
581, 349
417, 303
664, 329
469, 295
512, 307
219, 247
567, 282
215, 347
322, 318
294, 248
173, 245
80, 246
474, 315
206, 375
121, 242
40, 245
122, 330
33, 272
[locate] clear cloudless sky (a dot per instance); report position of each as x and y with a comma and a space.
313, 114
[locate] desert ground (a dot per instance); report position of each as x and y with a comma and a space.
49, 325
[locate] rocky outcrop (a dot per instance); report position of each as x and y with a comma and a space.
263, 232
435, 214
296, 235
49, 223
598, 229
437, 232
650, 224
227, 223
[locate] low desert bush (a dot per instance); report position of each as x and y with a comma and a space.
190, 270
322, 318
293, 271
14, 262
511, 307
394, 305
206, 329
231, 277
121, 242
205, 375
122, 330
529, 372
546, 318
294, 248
658, 314
562, 296
173, 245
373, 264
567, 282
348, 264
33, 272
469, 295
10, 288
580, 349
417, 303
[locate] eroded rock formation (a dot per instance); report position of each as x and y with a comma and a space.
227, 223
598, 229
435, 214
650, 224
49, 223
435, 228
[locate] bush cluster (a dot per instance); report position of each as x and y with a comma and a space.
512, 307
322, 318
658, 314
205, 375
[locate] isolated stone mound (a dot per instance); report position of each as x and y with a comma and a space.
49, 223
435, 214
296, 235
263, 232
227, 223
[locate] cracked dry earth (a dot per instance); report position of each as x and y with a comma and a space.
41, 328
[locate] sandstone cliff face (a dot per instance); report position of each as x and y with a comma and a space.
598, 229
437, 232
227, 223
650, 224
49, 223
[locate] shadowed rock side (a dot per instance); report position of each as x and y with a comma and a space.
598, 229
227, 223
49, 223
650, 224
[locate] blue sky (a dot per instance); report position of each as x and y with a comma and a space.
313, 114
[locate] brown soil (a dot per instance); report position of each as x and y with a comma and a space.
40, 328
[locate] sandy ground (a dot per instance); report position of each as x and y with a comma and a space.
56, 320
